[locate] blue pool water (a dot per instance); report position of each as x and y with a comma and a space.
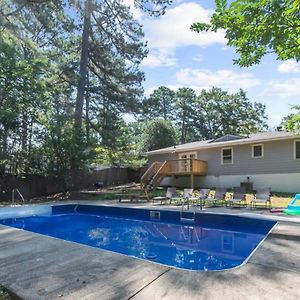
213, 242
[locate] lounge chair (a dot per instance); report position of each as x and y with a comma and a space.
219, 195
203, 195
171, 191
187, 196
262, 196
238, 197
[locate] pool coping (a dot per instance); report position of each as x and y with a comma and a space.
147, 205
154, 285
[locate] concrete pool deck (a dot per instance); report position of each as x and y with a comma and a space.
34, 266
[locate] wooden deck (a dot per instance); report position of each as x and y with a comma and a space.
175, 167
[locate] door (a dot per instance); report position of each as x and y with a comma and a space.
185, 165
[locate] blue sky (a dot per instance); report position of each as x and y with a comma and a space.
181, 58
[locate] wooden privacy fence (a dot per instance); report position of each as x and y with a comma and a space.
34, 185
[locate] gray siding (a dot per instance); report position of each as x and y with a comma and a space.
278, 158
161, 157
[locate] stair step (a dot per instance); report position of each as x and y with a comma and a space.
187, 221
187, 217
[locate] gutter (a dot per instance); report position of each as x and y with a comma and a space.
221, 144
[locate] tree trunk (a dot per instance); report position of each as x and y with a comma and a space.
183, 129
4, 142
87, 110
165, 108
83, 66
24, 132
3, 151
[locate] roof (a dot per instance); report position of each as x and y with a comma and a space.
260, 137
228, 137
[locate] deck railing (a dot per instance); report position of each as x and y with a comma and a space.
151, 171
185, 166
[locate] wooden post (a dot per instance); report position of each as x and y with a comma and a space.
192, 180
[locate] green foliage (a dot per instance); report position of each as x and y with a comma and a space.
211, 114
292, 121
255, 28
153, 7
4, 293
43, 74
186, 114
158, 134
40, 71
223, 113
160, 104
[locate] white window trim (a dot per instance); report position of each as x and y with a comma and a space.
187, 153
227, 148
295, 141
262, 150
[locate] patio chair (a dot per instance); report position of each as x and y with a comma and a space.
262, 195
170, 193
203, 195
219, 195
187, 196
238, 197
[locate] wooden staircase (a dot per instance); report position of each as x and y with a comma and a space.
176, 167
153, 176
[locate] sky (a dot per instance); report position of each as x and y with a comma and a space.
179, 57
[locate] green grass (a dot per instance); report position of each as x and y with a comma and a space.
115, 195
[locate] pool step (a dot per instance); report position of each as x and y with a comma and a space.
187, 217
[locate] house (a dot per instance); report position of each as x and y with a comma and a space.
266, 159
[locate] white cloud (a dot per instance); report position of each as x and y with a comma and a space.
225, 79
283, 88
137, 13
199, 79
172, 30
159, 58
289, 66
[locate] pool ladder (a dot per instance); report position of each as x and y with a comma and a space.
13, 196
187, 217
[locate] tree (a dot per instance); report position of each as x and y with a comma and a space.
40, 33
69, 70
85, 47
185, 112
292, 121
223, 113
117, 32
256, 27
160, 104
158, 134
22, 92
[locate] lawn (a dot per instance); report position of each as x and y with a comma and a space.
278, 199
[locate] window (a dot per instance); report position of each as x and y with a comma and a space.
226, 156
257, 151
297, 149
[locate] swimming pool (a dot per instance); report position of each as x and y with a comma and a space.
200, 241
